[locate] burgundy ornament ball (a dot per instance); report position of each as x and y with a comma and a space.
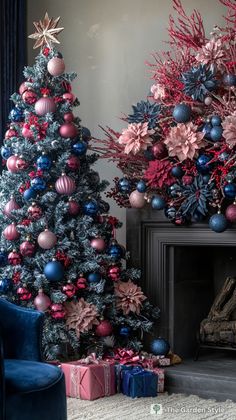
42, 301
11, 205
27, 249
21, 164
56, 66
69, 289
69, 117
68, 130
65, 185
10, 232
73, 163
22, 88
137, 200
26, 132
74, 208
230, 213
187, 179
81, 282
35, 212
57, 311
23, 293
29, 97
11, 164
98, 243
159, 151
114, 273
47, 239
70, 97
104, 329
10, 133
14, 258
45, 105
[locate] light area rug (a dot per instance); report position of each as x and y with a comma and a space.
174, 407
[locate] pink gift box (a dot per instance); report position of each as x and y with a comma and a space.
89, 381
161, 378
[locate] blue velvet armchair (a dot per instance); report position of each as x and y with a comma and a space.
29, 388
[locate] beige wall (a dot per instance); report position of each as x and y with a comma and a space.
107, 42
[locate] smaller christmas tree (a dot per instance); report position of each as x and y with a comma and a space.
58, 248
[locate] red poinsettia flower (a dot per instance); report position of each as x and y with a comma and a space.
158, 174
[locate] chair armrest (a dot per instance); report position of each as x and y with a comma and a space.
21, 331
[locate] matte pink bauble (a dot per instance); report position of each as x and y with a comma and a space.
65, 185
47, 239
29, 97
10, 133
14, 258
42, 301
73, 163
74, 208
230, 213
26, 132
11, 205
57, 311
56, 66
98, 243
22, 88
11, 164
45, 105
159, 151
69, 117
137, 200
11, 233
27, 249
70, 97
104, 329
21, 164
68, 130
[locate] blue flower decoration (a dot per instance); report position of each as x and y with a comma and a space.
198, 194
198, 81
145, 112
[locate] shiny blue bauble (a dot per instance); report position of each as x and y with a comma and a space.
5, 285
230, 190
170, 213
216, 120
80, 148
30, 193
44, 163
202, 164
218, 223
86, 135
38, 184
229, 79
174, 190
54, 271
206, 178
115, 251
177, 171
16, 114
157, 202
3, 258
182, 113
210, 85
94, 277
6, 152
160, 347
206, 129
124, 185
216, 133
90, 207
125, 331
141, 186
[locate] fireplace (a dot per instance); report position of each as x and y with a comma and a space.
183, 268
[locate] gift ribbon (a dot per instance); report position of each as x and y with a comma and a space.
91, 358
75, 381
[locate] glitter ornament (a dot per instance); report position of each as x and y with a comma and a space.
27, 248
23, 293
29, 97
35, 212
81, 282
114, 273
21, 164
14, 258
57, 311
56, 66
69, 289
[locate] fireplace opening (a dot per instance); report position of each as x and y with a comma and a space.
196, 275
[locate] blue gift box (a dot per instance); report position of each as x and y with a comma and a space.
139, 382
119, 369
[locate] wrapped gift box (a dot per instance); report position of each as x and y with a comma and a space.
89, 381
160, 378
119, 369
138, 382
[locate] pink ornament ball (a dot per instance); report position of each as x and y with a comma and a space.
26, 132
98, 243
47, 239
73, 163
68, 130
23, 293
14, 258
44, 105
11, 205
137, 200
29, 97
159, 151
10, 133
27, 249
230, 213
42, 301
65, 185
12, 164
22, 88
104, 329
21, 164
56, 66
69, 117
74, 208
10, 232
57, 311
70, 97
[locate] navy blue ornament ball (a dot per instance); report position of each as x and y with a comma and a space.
216, 120
29, 193
80, 148
177, 171
206, 129
38, 184
218, 223
229, 79
141, 186
202, 164
170, 213
94, 277
230, 190
4, 285
44, 163
216, 133
148, 154
6, 152
158, 203
3, 258
16, 114
160, 347
90, 207
124, 331
115, 251
86, 134
182, 113
54, 271
124, 185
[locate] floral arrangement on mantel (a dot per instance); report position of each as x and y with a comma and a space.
178, 151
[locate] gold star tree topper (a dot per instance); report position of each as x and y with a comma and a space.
46, 32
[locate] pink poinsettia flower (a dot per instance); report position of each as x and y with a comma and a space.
229, 126
158, 91
212, 52
136, 137
184, 141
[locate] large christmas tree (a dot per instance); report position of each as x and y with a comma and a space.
58, 248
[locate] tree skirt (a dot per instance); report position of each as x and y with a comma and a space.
175, 406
